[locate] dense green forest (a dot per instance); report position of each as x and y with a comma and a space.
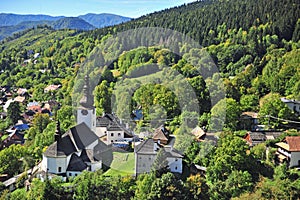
256, 49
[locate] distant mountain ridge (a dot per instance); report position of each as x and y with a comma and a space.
104, 19
9, 19
13, 23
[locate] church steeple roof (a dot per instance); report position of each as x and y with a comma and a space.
57, 132
87, 99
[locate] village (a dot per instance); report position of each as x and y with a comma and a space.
91, 144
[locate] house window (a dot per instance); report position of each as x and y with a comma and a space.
111, 141
176, 168
149, 158
70, 174
176, 159
112, 134
119, 134
59, 169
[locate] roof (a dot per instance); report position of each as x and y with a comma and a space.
112, 123
161, 133
87, 100
174, 153
147, 147
290, 143
51, 88
261, 136
198, 132
21, 126
64, 147
81, 135
284, 100
76, 164
103, 152
20, 99
293, 142
87, 155
21, 91
250, 115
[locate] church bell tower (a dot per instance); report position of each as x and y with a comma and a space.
86, 112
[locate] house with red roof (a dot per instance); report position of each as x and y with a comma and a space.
289, 151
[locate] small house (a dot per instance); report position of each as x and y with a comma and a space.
289, 151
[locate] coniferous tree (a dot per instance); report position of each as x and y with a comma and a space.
160, 165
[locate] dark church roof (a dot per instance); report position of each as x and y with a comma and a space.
76, 164
81, 135
77, 138
64, 147
104, 153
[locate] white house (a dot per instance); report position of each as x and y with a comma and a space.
289, 151
112, 128
145, 153
292, 104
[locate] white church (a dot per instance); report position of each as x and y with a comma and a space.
79, 148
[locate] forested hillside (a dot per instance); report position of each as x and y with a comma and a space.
255, 46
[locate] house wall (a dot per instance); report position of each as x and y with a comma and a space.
101, 131
117, 136
72, 173
89, 119
52, 165
294, 106
143, 163
175, 164
295, 159
96, 166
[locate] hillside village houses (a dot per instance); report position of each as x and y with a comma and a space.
81, 148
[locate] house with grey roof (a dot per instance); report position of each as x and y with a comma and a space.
111, 128
257, 137
145, 153
289, 151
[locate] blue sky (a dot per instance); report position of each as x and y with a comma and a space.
128, 8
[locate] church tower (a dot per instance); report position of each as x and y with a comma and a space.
86, 112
